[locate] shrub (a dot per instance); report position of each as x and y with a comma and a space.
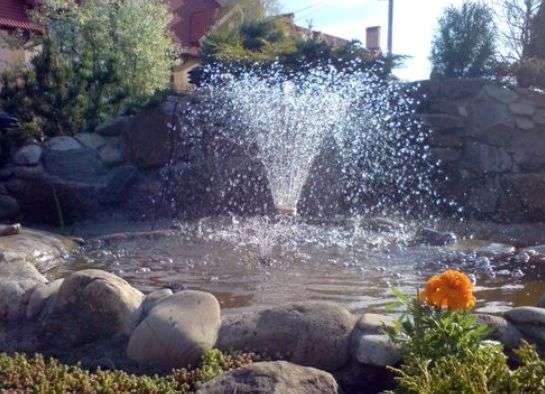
38, 375
96, 59
484, 370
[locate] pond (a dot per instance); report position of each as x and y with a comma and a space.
254, 262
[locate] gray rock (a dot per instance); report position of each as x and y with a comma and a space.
539, 117
39, 248
147, 142
177, 332
534, 333
525, 123
91, 140
490, 117
502, 330
443, 122
17, 280
116, 183
495, 248
433, 237
486, 159
446, 155
371, 323
81, 165
277, 377
63, 144
529, 189
527, 150
41, 295
111, 154
446, 140
90, 305
114, 127
526, 108
537, 249
153, 299
29, 155
378, 350
29, 172
526, 315
501, 94
9, 208
292, 332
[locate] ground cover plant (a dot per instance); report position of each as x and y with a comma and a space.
36, 374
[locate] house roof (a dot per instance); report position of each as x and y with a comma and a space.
13, 15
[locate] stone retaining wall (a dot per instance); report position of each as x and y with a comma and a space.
491, 141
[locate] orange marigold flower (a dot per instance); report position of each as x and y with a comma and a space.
450, 290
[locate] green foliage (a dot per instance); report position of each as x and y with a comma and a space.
465, 44
97, 59
38, 375
262, 42
481, 371
430, 333
444, 352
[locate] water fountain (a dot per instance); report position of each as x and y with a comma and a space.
283, 124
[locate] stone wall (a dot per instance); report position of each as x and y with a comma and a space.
491, 142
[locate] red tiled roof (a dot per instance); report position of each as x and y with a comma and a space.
13, 14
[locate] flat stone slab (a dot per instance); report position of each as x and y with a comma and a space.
40, 248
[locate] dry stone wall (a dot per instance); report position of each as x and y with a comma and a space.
491, 143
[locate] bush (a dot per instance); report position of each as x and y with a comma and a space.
38, 375
96, 59
484, 370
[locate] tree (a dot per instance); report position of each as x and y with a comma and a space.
258, 9
531, 69
98, 58
517, 16
465, 44
260, 43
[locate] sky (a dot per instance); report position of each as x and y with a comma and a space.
415, 22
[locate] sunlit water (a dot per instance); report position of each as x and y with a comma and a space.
254, 262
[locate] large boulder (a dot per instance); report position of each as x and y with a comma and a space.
17, 280
40, 296
9, 208
115, 184
311, 334
91, 140
42, 249
272, 377
378, 350
28, 155
92, 304
147, 141
79, 164
530, 321
177, 331
501, 330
